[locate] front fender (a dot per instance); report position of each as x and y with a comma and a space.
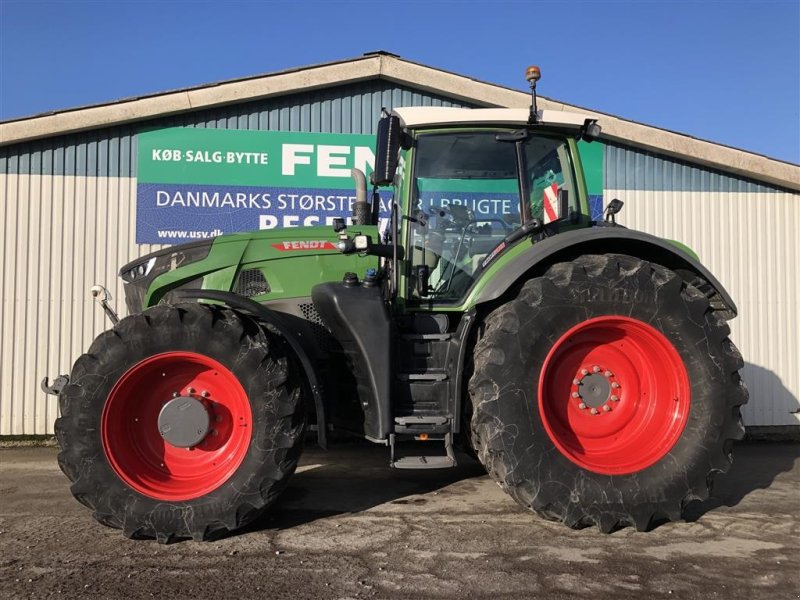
264, 314
535, 258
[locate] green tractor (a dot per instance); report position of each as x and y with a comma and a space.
586, 365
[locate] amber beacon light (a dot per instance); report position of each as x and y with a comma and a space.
532, 75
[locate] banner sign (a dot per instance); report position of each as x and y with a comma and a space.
196, 183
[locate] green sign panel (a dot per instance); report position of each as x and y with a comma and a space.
194, 183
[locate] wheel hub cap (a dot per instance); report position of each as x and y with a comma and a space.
183, 422
594, 390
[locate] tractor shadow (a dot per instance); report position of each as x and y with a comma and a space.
756, 465
356, 477
353, 477
765, 453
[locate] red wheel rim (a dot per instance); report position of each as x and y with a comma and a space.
614, 395
138, 453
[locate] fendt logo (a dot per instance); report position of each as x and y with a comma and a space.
304, 245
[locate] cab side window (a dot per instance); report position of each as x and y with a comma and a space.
549, 178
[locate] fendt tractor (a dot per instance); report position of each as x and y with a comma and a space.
586, 365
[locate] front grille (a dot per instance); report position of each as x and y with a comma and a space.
136, 291
134, 296
252, 282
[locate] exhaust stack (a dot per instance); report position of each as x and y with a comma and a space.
362, 212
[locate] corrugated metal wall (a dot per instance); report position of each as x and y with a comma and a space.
747, 235
61, 235
67, 221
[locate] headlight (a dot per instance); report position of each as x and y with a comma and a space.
153, 265
141, 270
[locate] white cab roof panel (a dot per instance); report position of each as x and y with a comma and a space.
416, 117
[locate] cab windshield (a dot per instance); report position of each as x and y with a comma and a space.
467, 196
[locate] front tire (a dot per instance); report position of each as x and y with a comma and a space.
137, 466
606, 392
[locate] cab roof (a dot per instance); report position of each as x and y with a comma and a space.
417, 117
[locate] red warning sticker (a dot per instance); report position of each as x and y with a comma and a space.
550, 201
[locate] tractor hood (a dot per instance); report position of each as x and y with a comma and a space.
215, 263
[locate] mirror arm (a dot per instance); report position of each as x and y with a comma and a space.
528, 228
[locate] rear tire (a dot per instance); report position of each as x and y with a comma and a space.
606, 392
130, 476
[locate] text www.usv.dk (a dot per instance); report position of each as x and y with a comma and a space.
189, 234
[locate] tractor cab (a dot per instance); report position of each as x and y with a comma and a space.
469, 180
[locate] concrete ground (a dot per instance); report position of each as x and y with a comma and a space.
349, 527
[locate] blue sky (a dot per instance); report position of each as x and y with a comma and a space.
727, 71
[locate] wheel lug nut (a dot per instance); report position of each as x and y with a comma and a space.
576, 381
582, 406
190, 390
584, 371
595, 369
594, 411
614, 384
205, 393
576, 395
606, 407
608, 374
615, 398
175, 394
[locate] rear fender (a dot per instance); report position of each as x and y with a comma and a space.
495, 281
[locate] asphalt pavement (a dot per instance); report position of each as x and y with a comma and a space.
350, 527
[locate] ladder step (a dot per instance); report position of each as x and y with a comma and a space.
425, 336
424, 462
422, 376
414, 425
421, 420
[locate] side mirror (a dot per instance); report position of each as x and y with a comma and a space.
387, 150
612, 209
590, 130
